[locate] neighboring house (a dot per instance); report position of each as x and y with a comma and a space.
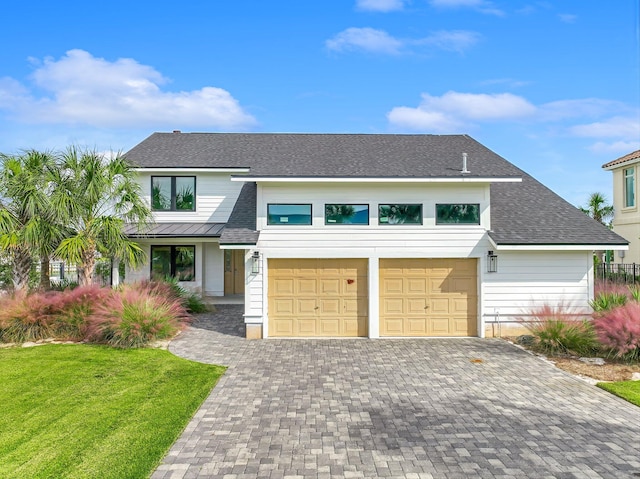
362, 235
626, 219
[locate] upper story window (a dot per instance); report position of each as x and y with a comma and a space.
400, 214
629, 187
288, 214
335, 214
462, 213
173, 193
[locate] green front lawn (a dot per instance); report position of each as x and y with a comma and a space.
629, 390
79, 411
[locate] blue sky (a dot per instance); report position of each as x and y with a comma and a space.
553, 86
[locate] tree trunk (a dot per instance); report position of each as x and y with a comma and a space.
45, 270
86, 269
21, 269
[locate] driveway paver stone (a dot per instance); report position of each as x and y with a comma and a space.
393, 408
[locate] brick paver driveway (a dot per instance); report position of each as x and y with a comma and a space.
394, 408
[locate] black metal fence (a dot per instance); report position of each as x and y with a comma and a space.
618, 272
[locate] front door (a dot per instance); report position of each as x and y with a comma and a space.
233, 271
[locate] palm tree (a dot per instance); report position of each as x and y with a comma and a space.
598, 209
28, 225
96, 196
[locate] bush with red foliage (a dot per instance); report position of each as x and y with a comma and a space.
136, 315
619, 330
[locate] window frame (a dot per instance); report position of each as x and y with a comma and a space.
172, 260
173, 181
625, 187
458, 224
368, 206
269, 223
420, 223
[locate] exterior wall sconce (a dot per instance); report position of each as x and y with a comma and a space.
492, 262
255, 265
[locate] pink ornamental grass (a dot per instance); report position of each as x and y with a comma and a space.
619, 329
132, 318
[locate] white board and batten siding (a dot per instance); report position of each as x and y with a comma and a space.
215, 197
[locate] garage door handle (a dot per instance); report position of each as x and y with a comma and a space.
317, 307
426, 307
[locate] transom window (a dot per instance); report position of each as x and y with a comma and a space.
629, 187
173, 261
461, 213
337, 214
288, 214
400, 214
173, 193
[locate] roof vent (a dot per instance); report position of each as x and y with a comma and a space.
464, 164
177, 131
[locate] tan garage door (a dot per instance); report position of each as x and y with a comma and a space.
317, 297
428, 297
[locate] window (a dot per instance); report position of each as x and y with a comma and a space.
173, 193
464, 214
629, 187
173, 261
346, 214
400, 214
278, 214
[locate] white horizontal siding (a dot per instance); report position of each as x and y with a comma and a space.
216, 195
372, 194
526, 281
422, 243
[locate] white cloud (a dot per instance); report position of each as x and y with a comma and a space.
452, 40
615, 127
82, 89
456, 112
379, 41
380, 5
568, 18
482, 6
453, 111
367, 39
615, 148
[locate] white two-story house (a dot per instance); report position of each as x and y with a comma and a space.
363, 235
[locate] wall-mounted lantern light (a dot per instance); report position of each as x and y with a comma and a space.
492, 262
255, 265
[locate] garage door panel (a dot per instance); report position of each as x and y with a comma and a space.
306, 327
329, 287
416, 286
329, 297
306, 287
283, 287
428, 297
416, 306
305, 306
282, 327
329, 306
392, 306
417, 327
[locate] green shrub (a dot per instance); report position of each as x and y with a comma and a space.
558, 331
191, 301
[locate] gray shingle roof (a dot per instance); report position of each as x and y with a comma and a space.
176, 230
529, 213
328, 155
241, 228
524, 213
